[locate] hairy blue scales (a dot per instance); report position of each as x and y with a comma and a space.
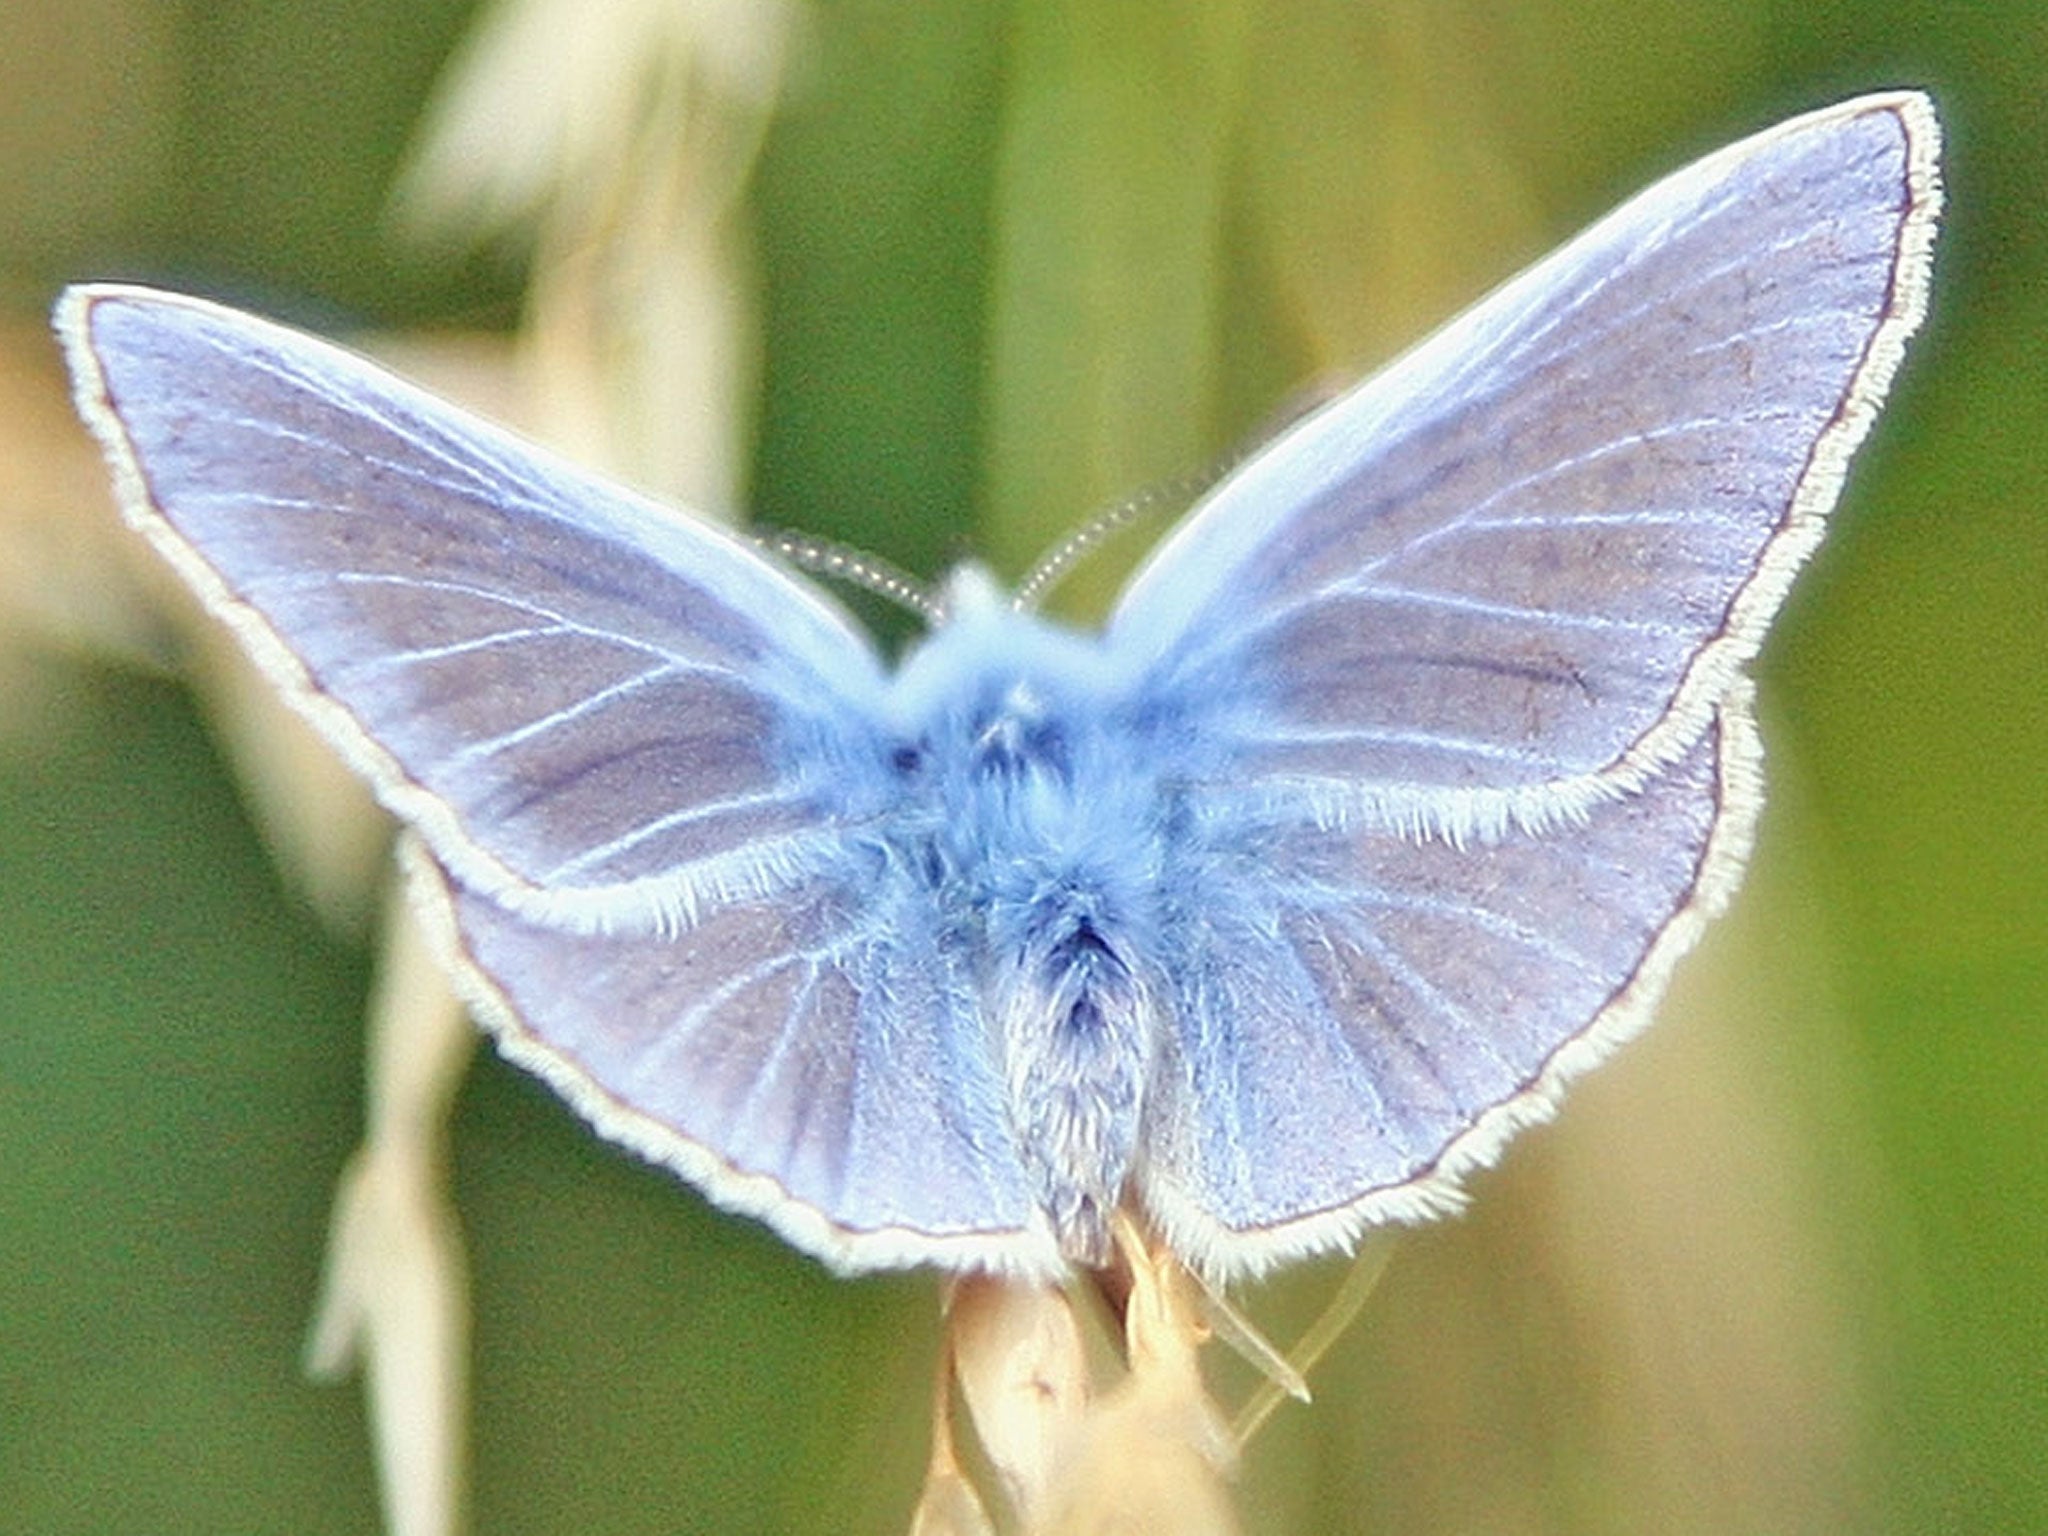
1037, 811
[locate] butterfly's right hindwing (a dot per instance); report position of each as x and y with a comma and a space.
810, 1058
1362, 1018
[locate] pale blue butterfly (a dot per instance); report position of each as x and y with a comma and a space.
1397, 781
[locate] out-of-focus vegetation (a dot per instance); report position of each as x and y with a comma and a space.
1780, 1267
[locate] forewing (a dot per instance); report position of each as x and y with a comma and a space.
601, 711
810, 1058
1516, 571
1363, 1019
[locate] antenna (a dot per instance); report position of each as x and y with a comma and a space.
1058, 561
842, 563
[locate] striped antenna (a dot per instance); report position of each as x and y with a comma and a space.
843, 563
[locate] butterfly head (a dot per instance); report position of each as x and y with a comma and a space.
970, 593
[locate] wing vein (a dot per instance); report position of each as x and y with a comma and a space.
626, 842
568, 714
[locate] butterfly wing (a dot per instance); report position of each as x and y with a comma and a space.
1460, 660
1516, 571
1367, 1017
804, 1056
643, 760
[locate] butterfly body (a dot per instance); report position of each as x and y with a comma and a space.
1382, 805
1038, 827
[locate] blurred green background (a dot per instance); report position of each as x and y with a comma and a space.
1012, 262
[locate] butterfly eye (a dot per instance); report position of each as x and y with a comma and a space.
1047, 744
908, 760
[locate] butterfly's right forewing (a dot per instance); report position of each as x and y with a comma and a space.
1516, 571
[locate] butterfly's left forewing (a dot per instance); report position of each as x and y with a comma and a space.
516, 654
647, 767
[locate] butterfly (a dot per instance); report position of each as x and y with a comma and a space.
1380, 807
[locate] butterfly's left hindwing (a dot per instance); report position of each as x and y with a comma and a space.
648, 767
811, 1057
